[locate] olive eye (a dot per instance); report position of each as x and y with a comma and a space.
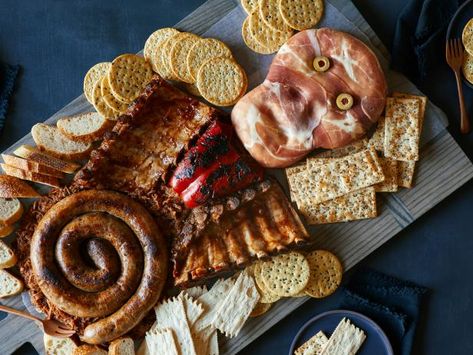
344, 101
321, 64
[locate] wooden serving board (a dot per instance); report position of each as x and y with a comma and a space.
442, 169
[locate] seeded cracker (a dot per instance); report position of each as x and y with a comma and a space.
222, 81
266, 295
249, 5
313, 346
293, 186
270, 14
325, 274
96, 73
377, 139
202, 51
155, 39
128, 76
265, 35
286, 274
178, 56
250, 41
356, 147
337, 177
353, 206
100, 105
111, 100
237, 306
390, 172
301, 14
346, 339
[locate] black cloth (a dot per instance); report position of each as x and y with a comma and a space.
419, 38
394, 304
8, 74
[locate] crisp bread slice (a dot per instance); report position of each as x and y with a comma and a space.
346, 339
337, 177
353, 206
377, 139
233, 312
402, 129
313, 346
390, 171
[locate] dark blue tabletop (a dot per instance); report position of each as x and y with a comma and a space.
55, 42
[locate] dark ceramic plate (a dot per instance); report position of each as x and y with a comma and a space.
376, 342
458, 22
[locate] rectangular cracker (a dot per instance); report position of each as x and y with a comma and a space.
346, 339
353, 206
293, 188
423, 104
390, 172
402, 129
171, 314
337, 177
355, 147
405, 173
313, 346
161, 342
233, 312
377, 139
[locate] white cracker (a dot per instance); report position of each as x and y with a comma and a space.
161, 342
196, 291
193, 309
237, 306
313, 346
346, 339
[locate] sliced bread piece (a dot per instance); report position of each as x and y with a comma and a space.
122, 346
6, 230
12, 187
32, 166
87, 349
10, 210
9, 284
58, 346
32, 154
85, 127
28, 175
50, 139
7, 256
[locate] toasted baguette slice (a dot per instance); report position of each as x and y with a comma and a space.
6, 230
85, 128
10, 210
58, 346
32, 166
122, 346
12, 187
9, 284
50, 139
32, 154
87, 349
7, 256
28, 175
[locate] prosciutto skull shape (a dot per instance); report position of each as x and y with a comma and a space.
294, 110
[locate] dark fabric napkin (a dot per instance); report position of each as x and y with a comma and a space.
419, 39
394, 304
8, 74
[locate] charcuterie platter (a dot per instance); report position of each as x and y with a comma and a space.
249, 163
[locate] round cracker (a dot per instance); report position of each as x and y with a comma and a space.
301, 14
100, 104
467, 67
111, 100
265, 35
128, 76
266, 296
161, 55
250, 41
467, 36
94, 74
249, 5
155, 39
271, 16
260, 309
222, 81
203, 50
178, 56
286, 275
325, 273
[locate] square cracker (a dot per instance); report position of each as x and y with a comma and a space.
402, 129
313, 346
345, 339
353, 206
390, 171
337, 177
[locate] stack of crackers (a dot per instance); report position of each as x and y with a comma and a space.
340, 185
206, 66
270, 23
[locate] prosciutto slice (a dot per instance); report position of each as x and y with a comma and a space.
294, 110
